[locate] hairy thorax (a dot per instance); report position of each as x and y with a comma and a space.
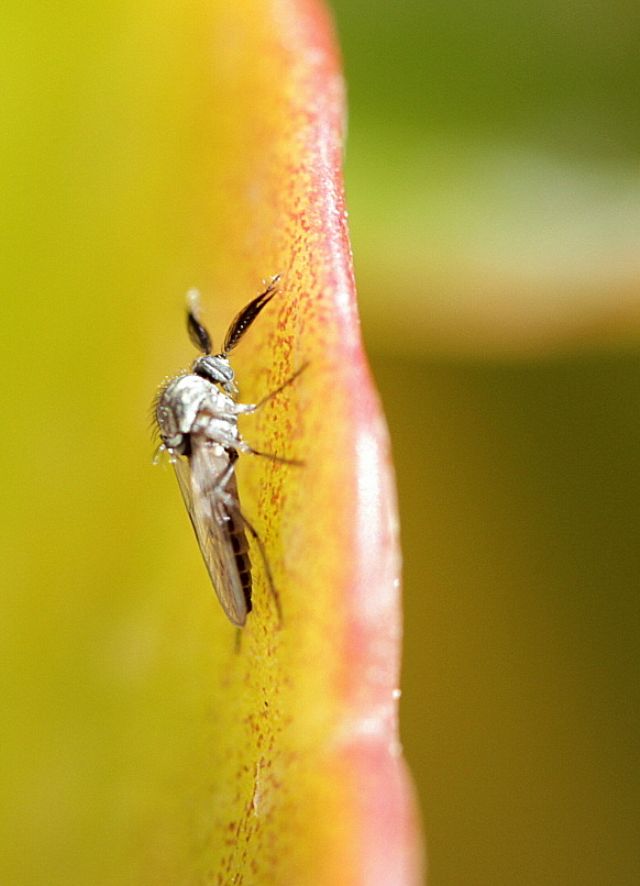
190, 405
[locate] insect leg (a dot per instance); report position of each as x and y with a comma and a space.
253, 407
278, 459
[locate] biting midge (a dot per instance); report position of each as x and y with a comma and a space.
197, 417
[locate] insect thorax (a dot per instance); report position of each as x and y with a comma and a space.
191, 405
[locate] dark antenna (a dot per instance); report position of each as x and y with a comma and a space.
197, 332
242, 321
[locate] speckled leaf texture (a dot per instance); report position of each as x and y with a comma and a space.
307, 780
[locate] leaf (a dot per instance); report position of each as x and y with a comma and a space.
308, 783
154, 147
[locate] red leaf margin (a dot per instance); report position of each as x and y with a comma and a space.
388, 844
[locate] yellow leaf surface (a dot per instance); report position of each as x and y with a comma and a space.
154, 148
310, 785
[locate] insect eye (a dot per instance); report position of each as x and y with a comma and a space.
215, 370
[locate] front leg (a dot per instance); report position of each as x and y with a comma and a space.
278, 459
246, 408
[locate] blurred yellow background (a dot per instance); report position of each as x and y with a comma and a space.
493, 186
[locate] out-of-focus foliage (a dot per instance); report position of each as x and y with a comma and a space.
494, 192
493, 178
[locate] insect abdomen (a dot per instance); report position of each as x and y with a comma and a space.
238, 540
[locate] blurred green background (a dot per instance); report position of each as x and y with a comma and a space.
494, 189
493, 186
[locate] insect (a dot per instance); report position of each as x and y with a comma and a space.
197, 417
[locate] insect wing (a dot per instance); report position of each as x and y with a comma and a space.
198, 479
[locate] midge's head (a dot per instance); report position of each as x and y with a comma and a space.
216, 367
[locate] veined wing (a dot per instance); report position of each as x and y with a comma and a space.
218, 527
